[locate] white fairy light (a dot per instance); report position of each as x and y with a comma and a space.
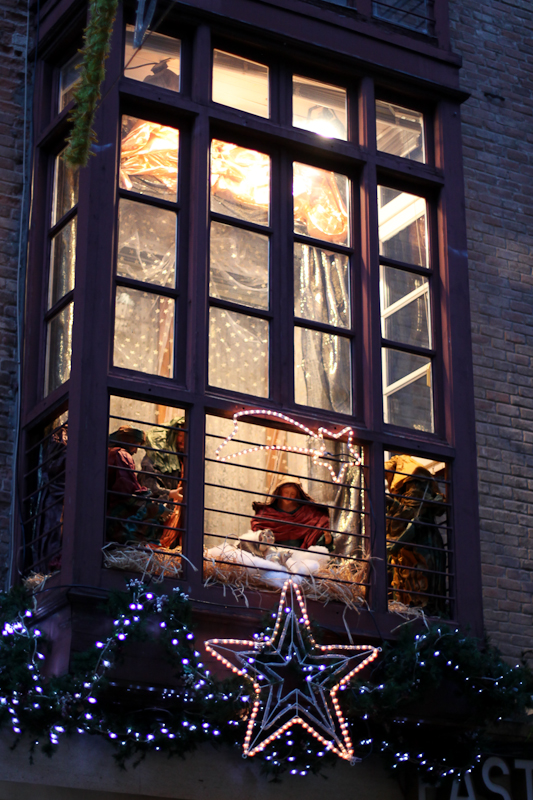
317, 454
313, 700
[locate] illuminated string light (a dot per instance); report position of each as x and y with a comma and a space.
317, 454
312, 700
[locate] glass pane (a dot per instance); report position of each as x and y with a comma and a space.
144, 332
66, 184
146, 484
62, 263
322, 370
69, 77
418, 554
240, 83
242, 493
156, 62
402, 226
44, 493
239, 265
321, 285
321, 204
405, 307
146, 243
238, 352
240, 182
59, 349
319, 107
407, 390
400, 131
149, 158
413, 14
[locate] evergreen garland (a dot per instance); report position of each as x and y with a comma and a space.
95, 50
387, 710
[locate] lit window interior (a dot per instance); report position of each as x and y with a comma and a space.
318, 533
69, 77
240, 83
417, 492
400, 131
319, 107
146, 487
157, 61
402, 226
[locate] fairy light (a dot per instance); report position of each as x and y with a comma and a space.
317, 454
286, 616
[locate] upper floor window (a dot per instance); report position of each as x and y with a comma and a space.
417, 15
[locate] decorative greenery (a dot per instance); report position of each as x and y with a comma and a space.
388, 710
92, 72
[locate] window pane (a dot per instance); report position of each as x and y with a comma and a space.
44, 492
400, 131
59, 349
238, 352
319, 107
242, 493
240, 182
321, 285
69, 77
62, 263
320, 204
418, 555
413, 14
149, 158
144, 332
240, 83
407, 391
146, 243
322, 370
146, 480
405, 308
156, 62
66, 184
239, 265
402, 226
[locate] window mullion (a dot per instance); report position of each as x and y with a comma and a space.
282, 365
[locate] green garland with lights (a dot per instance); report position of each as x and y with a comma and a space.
385, 709
96, 45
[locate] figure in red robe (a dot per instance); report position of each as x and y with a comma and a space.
294, 518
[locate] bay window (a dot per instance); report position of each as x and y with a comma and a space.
260, 294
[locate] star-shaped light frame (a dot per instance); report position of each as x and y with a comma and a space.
313, 706
317, 454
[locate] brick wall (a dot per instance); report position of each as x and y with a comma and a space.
494, 38
13, 16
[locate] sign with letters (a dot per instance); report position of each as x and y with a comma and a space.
505, 778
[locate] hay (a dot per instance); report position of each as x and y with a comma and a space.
158, 564
35, 581
338, 582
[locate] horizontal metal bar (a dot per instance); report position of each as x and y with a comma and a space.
304, 575
45, 438
233, 463
303, 502
232, 538
44, 486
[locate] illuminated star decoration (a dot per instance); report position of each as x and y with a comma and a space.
317, 453
272, 664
